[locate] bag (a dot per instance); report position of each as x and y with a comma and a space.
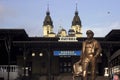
77, 69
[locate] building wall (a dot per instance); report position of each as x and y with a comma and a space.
115, 63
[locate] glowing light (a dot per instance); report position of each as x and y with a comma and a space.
41, 54
33, 54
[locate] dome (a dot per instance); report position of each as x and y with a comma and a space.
71, 30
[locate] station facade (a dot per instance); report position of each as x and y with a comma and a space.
53, 54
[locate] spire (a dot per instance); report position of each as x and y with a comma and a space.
76, 12
76, 19
48, 12
48, 20
48, 7
76, 7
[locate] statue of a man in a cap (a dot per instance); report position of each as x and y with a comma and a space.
90, 51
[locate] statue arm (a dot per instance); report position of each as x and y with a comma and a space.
98, 49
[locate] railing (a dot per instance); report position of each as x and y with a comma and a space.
13, 72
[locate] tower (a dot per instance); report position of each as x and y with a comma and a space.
76, 24
48, 25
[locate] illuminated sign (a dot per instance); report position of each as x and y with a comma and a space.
67, 53
68, 39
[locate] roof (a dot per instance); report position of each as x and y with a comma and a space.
76, 19
48, 20
16, 34
71, 30
113, 35
63, 29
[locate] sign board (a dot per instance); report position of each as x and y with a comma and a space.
67, 53
68, 39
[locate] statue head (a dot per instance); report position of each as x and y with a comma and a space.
90, 34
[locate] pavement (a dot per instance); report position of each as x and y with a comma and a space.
69, 77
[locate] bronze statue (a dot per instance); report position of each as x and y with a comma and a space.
90, 51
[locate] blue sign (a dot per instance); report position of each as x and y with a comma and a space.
67, 53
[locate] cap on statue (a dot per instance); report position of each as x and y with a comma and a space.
89, 32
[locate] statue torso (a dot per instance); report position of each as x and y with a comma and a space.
89, 48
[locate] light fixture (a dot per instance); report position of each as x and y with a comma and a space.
33, 54
26, 68
41, 54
